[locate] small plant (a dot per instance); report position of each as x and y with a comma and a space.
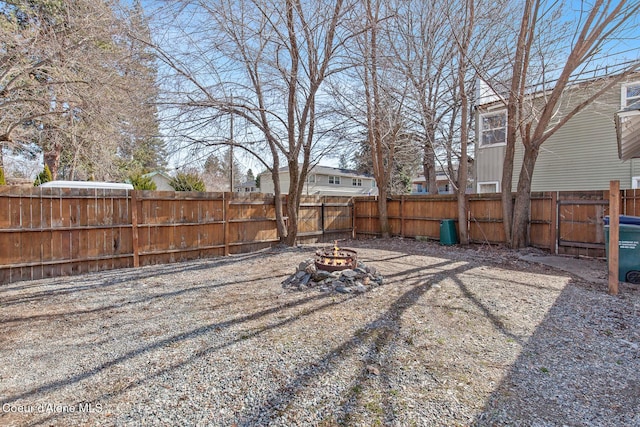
141, 182
544, 370
2, 180
44, 176
187, 182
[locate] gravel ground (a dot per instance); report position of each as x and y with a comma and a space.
454, 337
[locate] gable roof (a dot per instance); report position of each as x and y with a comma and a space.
328, 170
154, 173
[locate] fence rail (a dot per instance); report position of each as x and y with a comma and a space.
46, 232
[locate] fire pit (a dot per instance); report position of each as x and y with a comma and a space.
336, 259
334, 270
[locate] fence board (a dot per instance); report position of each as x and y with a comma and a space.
53, 232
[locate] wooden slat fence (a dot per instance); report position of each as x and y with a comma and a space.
46, 232
50, 232
565, 223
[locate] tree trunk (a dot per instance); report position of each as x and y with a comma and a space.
293, 204
293, 201
522, 207
385, 228
429, 168
280, 223
52, 159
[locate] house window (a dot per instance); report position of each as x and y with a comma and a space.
493, 129
334, 180
419, 188
356, 182
635, 182
488, 187
630, 94
373, 184
311, 178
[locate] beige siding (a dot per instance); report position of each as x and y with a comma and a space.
321, 186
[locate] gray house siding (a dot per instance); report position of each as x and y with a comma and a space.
489, 161
321, 186
582, 155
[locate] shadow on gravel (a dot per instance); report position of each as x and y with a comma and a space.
213, 327
124, 304
581, 366
380, 335
109, 278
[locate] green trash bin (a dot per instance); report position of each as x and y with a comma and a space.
448, 234
629, 251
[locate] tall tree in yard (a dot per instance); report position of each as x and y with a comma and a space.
531, 121
264, 63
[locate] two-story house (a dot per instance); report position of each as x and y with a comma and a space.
325, 181
581, 155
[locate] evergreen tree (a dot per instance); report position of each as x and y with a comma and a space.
44, 176
185, 181
141, 182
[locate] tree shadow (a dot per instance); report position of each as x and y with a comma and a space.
579, 367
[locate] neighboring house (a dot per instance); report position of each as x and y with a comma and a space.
628, 129
582, 155
247, 187
161, 179
325, 181
419, 184
445, 186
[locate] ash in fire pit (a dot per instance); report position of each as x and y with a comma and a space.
334, 269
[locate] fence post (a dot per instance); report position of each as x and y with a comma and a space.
402, 216
134, 228
553, 236
614, 238
322, 200
353, 218
226, 201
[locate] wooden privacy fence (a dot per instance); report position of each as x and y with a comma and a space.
565, 223
50, 232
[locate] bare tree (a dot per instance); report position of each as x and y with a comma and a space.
422, 40
265, 63
532, 120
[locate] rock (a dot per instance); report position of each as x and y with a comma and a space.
311, 268
380, 280
360, 288
372, 270
349, 274
344, 290
366, 280
305, 279
300, 274
321, 275
373, 370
